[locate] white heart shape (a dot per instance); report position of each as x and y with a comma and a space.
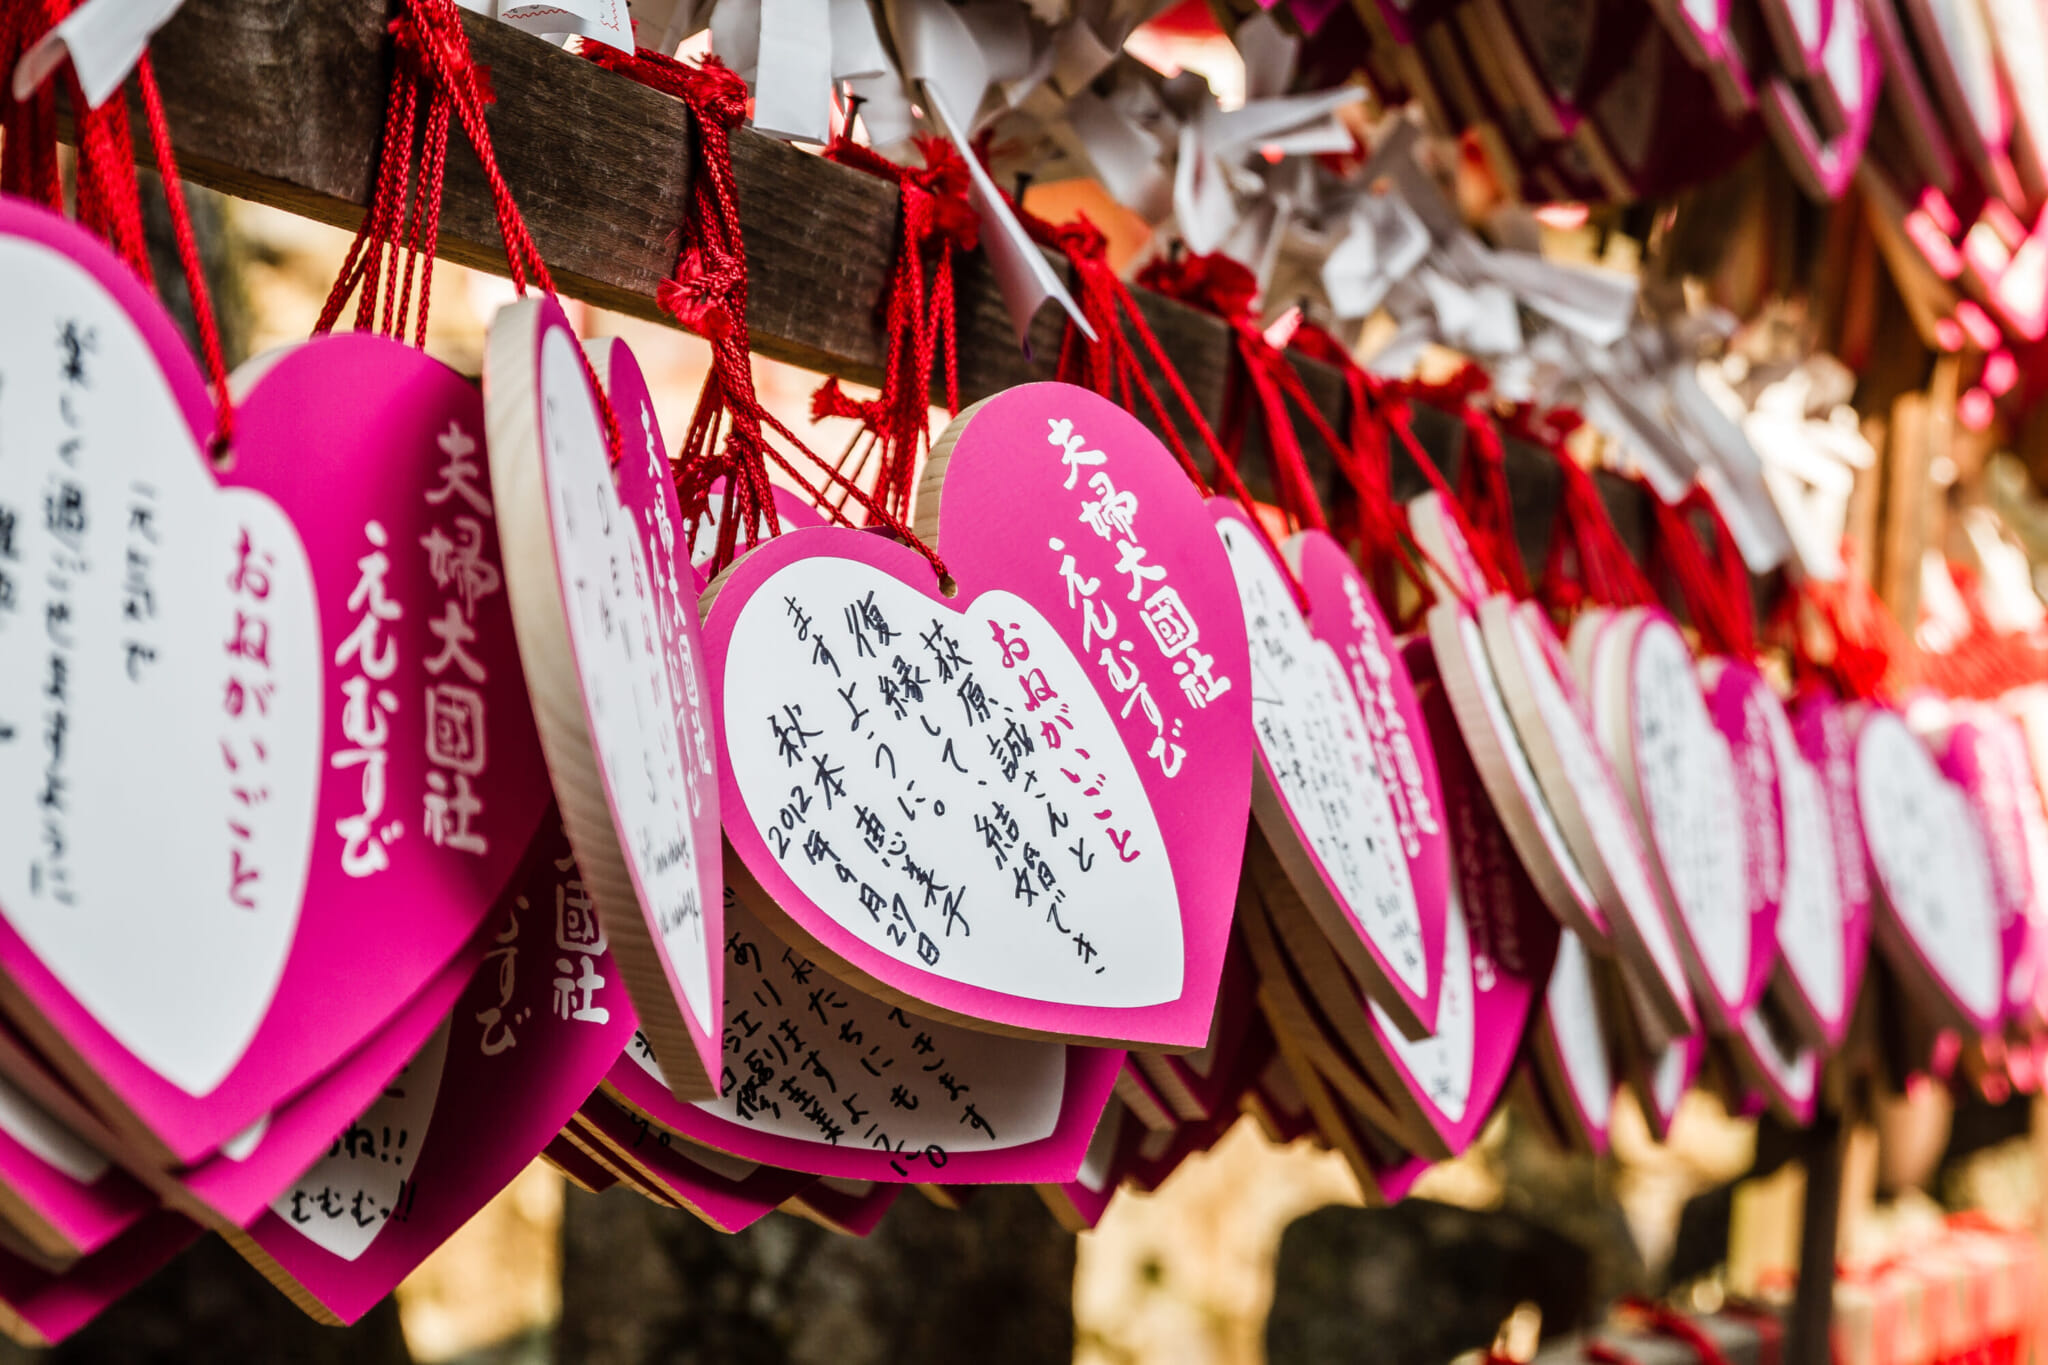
137, 915
1441, 1064
1015, 1084
633, 687
1931, 861
1130, 909
1688, 784
1313, 736
1810, 919
346, 1198
1574, 1013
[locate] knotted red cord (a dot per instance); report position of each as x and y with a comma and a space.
28, 128
1382, 532
391, 260
1108, 364
1984, 661
109, 196
707, 294
1713, 582
1841, 635
1482, 475
107, 188
433, 80
1219, 285
1588, 562
917, 316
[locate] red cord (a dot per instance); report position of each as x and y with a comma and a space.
707, 295
1714, 586
109, 196
917, 315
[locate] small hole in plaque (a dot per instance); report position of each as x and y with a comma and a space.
948, 585
221, 455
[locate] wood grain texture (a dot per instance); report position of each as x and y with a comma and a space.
281, 102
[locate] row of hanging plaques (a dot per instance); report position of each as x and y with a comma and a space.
395, 802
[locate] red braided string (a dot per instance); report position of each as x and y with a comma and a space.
188, 252
434, 80
1840, 635
1588, 560
28, 128
1219, 285
917, 308
1984, 662
109, 196
1109, 365
1381, 531
707, 294
1483, 493
1714, 589
1488, 514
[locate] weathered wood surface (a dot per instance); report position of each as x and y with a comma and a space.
281, 102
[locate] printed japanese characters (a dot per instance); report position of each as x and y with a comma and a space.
538, 1024
998, 805
603, 598
366, 771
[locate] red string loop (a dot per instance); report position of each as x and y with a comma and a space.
1712, 581
1381, 530
1588, 561
728, 439
917, 316
109, 196
28, 128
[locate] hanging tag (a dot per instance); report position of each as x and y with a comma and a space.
103, 39
318, 774
537, 1026
1680, 780
601, 598
1937, 919
993, 1108
1094, 612
1570, 1053
1323, 801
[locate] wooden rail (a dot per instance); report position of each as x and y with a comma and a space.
281, 102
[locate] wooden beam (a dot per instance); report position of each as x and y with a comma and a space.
281, 102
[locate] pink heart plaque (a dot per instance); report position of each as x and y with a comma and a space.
1936, 912
538, 1025
49, 1306
62, 1195
724, 1191
311, 778
1984, 754
603, 601
1680, 780
1824, 931
1752, 722
1570, 1048
1458, 655
1000, 805
1557, 729
1323, 801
